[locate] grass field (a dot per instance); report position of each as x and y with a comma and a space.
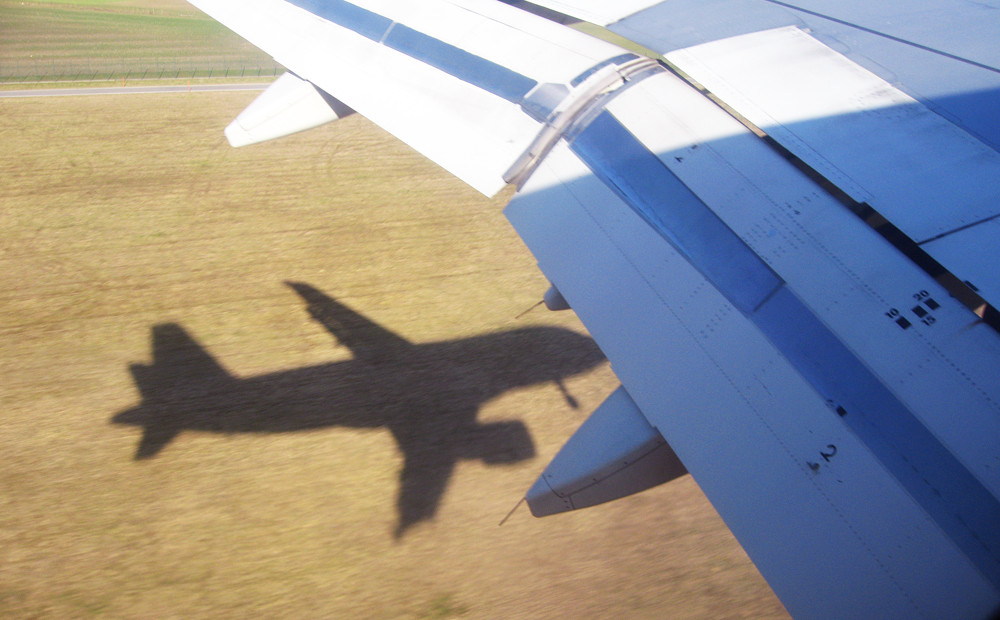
115, 39
122, 214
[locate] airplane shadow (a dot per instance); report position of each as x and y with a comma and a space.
427, 395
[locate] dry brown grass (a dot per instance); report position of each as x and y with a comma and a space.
119, 214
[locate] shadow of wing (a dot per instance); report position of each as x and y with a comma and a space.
427, 468
367, 340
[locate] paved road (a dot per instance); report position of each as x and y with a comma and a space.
128, 90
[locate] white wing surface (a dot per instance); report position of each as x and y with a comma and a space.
796, 287
427, 72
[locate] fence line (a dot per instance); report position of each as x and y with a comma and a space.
104, 69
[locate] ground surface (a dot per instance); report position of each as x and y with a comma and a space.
115, 39
303, 476
125, 213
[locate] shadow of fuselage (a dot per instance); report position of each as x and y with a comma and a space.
427, 395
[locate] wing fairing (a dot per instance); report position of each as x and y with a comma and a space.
289, 105
615, 453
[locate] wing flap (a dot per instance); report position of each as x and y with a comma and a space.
924, 174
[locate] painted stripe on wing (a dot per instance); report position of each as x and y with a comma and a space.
476, 70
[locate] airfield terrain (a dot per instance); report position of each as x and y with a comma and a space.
128, 223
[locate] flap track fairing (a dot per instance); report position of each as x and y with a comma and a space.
614, 454
289, 105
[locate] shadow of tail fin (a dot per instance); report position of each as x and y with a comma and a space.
178, 361
182, 374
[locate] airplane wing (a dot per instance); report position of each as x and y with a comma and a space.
782, 233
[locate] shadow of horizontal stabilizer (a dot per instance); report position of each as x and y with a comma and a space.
427, 395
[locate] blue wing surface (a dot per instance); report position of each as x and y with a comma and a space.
894, 102
835, 400
793, 390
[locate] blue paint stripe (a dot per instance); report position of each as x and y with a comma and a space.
459, 63
931, 474
362, 21
637, 175
475, 70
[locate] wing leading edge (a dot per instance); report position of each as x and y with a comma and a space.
804, 369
